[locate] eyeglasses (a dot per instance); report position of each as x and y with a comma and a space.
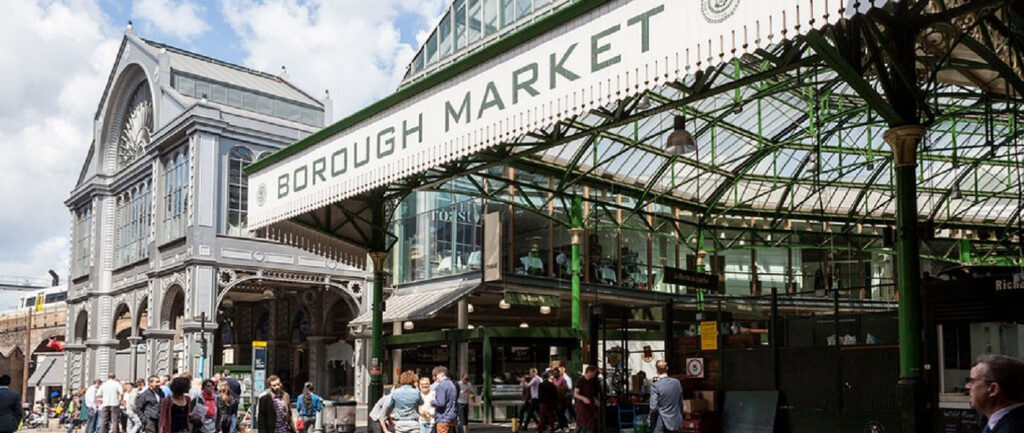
968, 381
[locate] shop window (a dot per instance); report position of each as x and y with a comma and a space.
238, 193
963, 343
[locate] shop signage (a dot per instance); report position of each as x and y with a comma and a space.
1014, 283
606, 54
690, 278
532, 299
492, 247
709, 335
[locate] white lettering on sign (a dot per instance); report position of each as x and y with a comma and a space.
612, 52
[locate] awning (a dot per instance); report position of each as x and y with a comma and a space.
49, 372
422, 302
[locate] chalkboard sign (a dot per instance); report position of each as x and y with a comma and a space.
959, 421
750, 411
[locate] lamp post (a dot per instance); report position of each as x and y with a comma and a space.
202, 342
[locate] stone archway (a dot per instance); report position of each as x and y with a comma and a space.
121, 325
169, 349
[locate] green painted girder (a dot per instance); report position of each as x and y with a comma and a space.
853, 77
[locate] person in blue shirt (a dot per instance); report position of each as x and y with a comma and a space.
309, 405
405, 403
445, 396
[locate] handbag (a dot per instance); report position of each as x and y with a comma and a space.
299, 424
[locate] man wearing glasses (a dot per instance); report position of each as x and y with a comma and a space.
996, 387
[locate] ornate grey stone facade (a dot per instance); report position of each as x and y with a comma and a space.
158, 229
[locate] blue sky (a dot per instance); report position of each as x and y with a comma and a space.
57, 54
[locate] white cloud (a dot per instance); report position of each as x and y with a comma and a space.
56, 56
178, 19
350, 47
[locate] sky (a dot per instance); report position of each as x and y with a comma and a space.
56, 56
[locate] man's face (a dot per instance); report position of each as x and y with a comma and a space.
154, 383
438, 377
424, 385
275, 386
590, 374
979, 388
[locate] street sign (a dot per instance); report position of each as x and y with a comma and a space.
695, 368
259, 368
690, 278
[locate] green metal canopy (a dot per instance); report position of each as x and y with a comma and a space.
789, 137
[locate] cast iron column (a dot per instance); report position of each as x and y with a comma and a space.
376, 390
576, 232
904, 140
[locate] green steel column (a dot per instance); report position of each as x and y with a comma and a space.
376, 390
576, 222
904, 141
488, 410
378, 254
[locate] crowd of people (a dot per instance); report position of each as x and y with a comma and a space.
419, 405
178, 404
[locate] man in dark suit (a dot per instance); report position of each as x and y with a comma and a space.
666, 397
10, 406
996, 386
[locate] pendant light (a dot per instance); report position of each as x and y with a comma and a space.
680, 141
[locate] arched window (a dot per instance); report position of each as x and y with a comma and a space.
138, 123
176, 180
238, 191
83, 241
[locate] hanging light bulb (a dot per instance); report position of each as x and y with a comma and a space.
870, 166
644, 102
544, 309
471, 327
268, 294
812, 162
956, 194
504, 305
524, 325
469, 308
228, 303
680, 141
408, 325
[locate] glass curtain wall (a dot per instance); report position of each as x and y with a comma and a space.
439, 234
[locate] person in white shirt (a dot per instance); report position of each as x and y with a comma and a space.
110, 404
466, 395
92, 397
133, 423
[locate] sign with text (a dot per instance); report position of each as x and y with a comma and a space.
605, 54
259, 368
690, 278
492, 246
709, 335
532, 299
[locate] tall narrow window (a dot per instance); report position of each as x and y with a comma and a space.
239, 158
133, 223
83, 240
175, 195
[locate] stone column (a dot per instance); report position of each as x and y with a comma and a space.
463, 320
133, 361
159, 347
75, 367
396, 354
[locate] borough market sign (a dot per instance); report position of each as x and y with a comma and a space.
612, 51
